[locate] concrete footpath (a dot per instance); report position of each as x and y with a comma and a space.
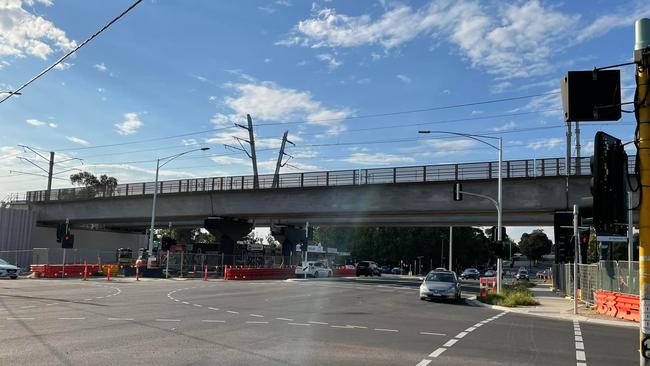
552, 305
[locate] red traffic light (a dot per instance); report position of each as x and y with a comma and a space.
584, 237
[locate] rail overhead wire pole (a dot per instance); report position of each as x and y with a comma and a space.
251, 142
642, 113
499, 201
167, 160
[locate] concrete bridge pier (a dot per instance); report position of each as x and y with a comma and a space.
227, 231
289, 237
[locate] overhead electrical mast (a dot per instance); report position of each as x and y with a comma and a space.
251, 142
280, 164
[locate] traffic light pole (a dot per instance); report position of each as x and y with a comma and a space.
576, 239
642, 38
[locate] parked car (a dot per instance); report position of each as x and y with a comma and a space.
522, 275
396, 270
8, 270
368, 268
313, 269
470, 273
489, 273
440, 285
385, 269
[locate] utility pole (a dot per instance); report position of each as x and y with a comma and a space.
276, 176
451, 241
576, 246
49, 176
642, 58
578, 165
567, 162
251, 142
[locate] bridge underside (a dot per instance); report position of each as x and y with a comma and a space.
526, 202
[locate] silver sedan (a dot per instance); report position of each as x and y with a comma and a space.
440, 285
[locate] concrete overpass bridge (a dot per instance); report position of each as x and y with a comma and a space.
409, 196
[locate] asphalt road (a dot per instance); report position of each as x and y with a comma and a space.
313, 322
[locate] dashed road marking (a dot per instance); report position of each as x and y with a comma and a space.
450, 343
28, 307
232, 312
256, 315
71, 318
341, 326
461, 335
198, 305
303, 324
168, 320
285, 319
122, 319
213, 321
213, 308
581, 357
424, 362
386, 330
256, 322
437, 352
433, 334
20, 318
321, 323
470, 329
186, 303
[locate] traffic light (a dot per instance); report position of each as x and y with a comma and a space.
608, 185
67, 242
493, 234
585, 235
591, 95
458, 188
497, 248
60, 231
310, 233
563, 231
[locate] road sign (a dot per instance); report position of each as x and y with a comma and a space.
612, 238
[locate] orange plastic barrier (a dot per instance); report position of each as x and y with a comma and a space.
622, 306
55, 270
487, 285
253, 273
344, 272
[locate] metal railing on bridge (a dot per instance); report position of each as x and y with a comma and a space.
530, 168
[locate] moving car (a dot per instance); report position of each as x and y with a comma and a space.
385, 269
396, 270
313, 269
368, 268
8, 270
489, 273
470, 273
522, 275
440, 285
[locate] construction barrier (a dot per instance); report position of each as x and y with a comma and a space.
622, 306
487, 285
71, 270
344, 272
253, 273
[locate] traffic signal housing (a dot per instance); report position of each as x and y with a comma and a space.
67, 241
591, 95
494, 236
60, 231
608, 185
563, 232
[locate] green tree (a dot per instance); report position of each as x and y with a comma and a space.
104, 185
535, 244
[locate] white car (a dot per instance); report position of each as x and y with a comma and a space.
8, 270
313, 269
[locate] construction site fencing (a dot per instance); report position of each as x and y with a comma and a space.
181, 264
613, 276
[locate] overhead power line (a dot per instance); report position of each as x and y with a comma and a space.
17, 91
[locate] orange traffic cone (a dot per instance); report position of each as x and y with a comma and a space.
108, 274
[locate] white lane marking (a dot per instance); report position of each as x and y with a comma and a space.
213, 321
256, 322
123, 319
168, 320
177, 300
198, 305
50, 303
285, 319
28, 307
232, 312
304, 324
434, 334
213, 308
424, 362
256, 315
386, 330
477, 325
470, 329
461, 335
437, 352
579, 345
341, 326
20, 318
99, 297
186, 303
356, 326
88, 299
71, 318
321, 323
450, 343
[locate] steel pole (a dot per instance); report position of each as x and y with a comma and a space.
576, 246
567, 162
642, 41
153, 216
499, 212
451, 241
630, 238
50, 172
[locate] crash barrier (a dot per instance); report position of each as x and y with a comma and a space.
487, 285
622, 306
344, 272
253, 273
69, 270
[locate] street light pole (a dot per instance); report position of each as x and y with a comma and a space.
155, 196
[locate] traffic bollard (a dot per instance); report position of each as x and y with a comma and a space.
137, 273
85, 271
108, 274
205, 273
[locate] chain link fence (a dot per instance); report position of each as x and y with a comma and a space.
613, 276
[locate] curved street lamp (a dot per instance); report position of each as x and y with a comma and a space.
499, 200
166, 160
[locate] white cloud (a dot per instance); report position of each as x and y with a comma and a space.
332, 62
63, 66
621, 17
378, 159
189, 142
101, 67
25, 34
229, 160
301, 63
545, 143
35, 122
436, 148
283, 2
77, 140
474, 112
516, 40
130, 125
507, 126
268, 101
53, 125
403, 78
267, 60
266, 9
364, 81
375, 56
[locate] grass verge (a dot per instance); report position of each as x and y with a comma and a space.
511, 296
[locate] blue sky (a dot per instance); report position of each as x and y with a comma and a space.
314, 68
